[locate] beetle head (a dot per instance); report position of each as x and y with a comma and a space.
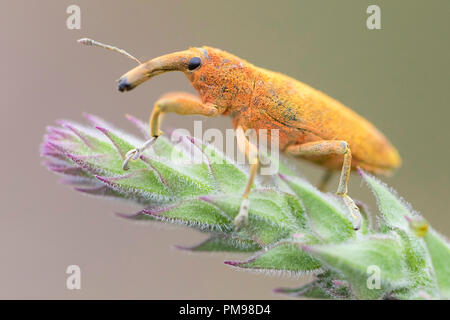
219, 77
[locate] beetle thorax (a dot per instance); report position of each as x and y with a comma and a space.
223, 79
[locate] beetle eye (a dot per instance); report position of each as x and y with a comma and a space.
194, 63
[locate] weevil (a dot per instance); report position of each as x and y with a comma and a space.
311, 125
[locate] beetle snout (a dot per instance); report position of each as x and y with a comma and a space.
123, 84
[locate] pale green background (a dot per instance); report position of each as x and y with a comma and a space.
397, 77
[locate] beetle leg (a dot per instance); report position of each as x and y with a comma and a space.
179, 103
329, 147
251, 153
325, 179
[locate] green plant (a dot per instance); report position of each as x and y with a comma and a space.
293, 227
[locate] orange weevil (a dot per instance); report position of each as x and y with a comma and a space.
311, 125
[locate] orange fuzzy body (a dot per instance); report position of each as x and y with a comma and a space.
261, 99
257, 99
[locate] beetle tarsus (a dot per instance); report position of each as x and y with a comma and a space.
354, 211
135, 154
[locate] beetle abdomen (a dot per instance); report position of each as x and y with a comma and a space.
303, 114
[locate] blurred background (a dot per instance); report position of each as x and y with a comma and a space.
397, 77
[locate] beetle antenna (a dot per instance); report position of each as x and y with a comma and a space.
90, 42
